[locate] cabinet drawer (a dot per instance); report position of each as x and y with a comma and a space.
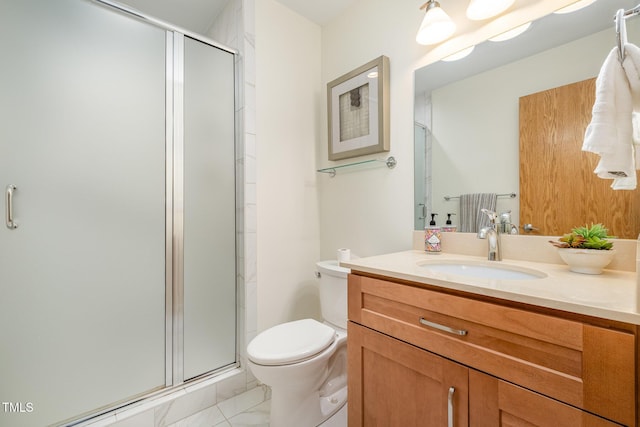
583, 365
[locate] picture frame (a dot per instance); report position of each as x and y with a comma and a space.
358, 111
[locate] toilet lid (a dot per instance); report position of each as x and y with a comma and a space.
290, 342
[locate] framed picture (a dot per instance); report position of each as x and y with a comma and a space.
358, 111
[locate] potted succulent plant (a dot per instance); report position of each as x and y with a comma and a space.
586, 249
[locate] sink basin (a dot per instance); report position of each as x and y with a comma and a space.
481, 270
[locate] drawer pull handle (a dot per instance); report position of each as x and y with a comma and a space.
450, 407
442, 327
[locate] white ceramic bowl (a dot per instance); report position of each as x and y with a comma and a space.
586, 261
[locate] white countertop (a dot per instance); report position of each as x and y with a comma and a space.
611, 295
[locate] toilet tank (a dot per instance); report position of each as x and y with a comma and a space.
333, 292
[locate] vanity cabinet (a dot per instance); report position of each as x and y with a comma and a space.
494, 402
420, 356
392, 383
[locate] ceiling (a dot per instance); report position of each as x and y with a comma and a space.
317, 11
543, 34
193, 15
198, 15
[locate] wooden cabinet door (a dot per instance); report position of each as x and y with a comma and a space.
558, 189
494, 402
392, 383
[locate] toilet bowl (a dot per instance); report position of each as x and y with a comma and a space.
305, 361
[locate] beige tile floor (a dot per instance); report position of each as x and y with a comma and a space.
245, 410
249, 409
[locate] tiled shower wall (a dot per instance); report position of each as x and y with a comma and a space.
235, 27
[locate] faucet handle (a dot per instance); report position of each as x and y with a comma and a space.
491, 214
505, 217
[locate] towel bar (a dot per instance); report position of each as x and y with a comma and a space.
510, 195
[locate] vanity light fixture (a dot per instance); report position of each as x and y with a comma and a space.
484, 9
459, 55
436, 26
507, 35
575, 6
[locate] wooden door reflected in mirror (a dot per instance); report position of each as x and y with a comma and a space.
558, 189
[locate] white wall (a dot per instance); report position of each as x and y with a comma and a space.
287, 132
371, 211
304, 216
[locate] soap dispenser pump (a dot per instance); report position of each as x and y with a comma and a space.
432, 236
448, 225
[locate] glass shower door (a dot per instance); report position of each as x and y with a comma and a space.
209, 209
82, 241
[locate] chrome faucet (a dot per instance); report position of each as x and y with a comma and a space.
492, 234
506, 226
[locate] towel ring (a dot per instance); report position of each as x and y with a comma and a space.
621, 33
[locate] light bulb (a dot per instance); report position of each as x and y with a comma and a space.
436, 25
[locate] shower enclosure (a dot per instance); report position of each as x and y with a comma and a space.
118, 248
422, 175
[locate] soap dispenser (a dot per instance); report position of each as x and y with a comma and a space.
448, 225
432, 236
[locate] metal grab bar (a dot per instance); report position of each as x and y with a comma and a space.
11, 225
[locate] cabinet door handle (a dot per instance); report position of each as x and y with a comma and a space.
450, 423
442, 327
11, 225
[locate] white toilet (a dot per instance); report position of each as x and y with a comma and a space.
305, 361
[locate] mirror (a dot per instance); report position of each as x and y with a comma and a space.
466, 112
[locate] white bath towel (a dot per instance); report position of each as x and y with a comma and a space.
610, 133
631, 67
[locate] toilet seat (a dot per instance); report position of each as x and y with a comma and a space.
290, 342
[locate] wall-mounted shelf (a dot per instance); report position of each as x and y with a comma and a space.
389, 161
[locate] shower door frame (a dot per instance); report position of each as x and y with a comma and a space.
174, 181
230, 150
174, 263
